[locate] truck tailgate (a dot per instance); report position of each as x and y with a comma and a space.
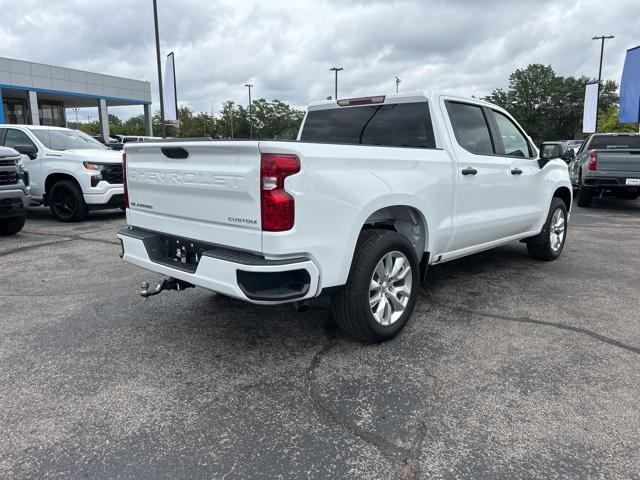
210, 194
619, 161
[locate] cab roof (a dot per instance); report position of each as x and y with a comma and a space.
404, 97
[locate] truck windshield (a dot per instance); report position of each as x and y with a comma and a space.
392, 125
67, 140
611, 142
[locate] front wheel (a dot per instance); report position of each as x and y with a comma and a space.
67, 202
11, 226
548, 244
382, 287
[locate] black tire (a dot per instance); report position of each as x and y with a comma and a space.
11, 226
67, 202
539, 247
585, 197
351, 308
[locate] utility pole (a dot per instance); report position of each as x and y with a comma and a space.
155, 23
248, 85
602, 38
336, 69
397, 83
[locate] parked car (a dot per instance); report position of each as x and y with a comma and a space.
112, 143
557, 150
122, 139
14, 191
70, 171
607, 164
374, 191
574, 144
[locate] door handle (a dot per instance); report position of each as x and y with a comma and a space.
469, 171
516, 171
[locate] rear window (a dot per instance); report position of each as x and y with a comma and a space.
392, 125
611, 142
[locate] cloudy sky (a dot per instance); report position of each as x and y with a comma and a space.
286, 48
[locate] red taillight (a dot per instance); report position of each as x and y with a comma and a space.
124, 180
277, 205
593, 160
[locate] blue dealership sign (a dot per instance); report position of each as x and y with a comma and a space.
630, 87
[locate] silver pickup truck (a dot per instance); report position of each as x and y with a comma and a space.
14, 191
607, 164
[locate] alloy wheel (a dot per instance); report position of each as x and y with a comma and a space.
63, 202
557, 230
390, 288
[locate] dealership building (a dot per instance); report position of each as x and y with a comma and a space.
38, 94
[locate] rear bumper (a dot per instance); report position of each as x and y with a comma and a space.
243, 275
611, 181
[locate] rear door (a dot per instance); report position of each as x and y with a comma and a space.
207, 191
483, 179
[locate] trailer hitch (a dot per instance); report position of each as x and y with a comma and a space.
167, 284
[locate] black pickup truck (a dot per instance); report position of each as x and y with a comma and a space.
607, 164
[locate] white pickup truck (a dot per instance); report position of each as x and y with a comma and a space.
69, 171
373, 191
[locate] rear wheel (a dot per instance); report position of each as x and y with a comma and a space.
382, 287
66, 201
11, 226
548, 244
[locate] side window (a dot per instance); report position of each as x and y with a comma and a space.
16, 137
550, 151
470, 127
514, 142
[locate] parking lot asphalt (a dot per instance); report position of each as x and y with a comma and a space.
509, 368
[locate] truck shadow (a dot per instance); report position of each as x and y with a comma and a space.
43, 213
609, 205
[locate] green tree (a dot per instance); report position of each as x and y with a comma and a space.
548, 106
608, 122
132, 126
275, 119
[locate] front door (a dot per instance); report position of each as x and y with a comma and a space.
526, 189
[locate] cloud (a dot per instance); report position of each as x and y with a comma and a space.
286, 48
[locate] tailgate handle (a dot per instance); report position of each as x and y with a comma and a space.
174, 152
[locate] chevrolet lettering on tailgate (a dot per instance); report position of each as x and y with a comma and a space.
197, 179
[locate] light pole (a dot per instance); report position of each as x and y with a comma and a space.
602, 38
397, 83
155, 23
77, 121
336, 69
248, 85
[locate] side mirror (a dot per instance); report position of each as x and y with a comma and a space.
29, 150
